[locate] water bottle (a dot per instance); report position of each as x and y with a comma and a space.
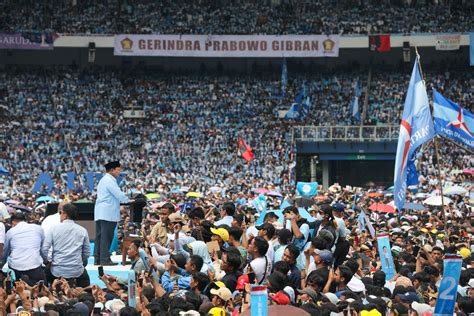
258, 300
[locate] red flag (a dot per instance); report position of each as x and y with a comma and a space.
379, 43
245, 150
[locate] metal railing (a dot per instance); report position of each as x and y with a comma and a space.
346, 133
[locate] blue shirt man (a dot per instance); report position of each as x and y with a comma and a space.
107, 212
70, 248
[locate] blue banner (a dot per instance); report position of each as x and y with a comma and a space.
307, 188
260, 203
471, 47
449, 286
385, 254
278, 213
452, 121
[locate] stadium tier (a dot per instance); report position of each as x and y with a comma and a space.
243, 17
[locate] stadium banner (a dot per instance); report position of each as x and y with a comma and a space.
227, 45
448, 42
28, 40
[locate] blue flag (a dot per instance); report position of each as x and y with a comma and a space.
448, 286
416, 128
355, 102
301, 95
412, 175
294, 112
471, 47
4, 171
284, 77
260, 203
355, 108
306, 104
452, 121
307, 188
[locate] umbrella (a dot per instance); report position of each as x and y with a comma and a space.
215, 189
468, 171
11, 202
455, 190
421, 195
194, 195
374, 194
275, 193
414, 206
382, 208
21, 208
304, 201
261, 191
321, 197
281, 310
44, 199
278, 213
84, 200
436, 200
152, 196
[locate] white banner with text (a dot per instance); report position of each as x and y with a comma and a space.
227, 45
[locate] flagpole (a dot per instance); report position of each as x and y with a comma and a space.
435, 145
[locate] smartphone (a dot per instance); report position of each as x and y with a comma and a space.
8, 287
140, 282
40, 286
101, 271
152, 268
96, 311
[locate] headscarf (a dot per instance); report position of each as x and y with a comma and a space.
199, 248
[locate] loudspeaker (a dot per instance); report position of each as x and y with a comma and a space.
91, 55
406, 52
136, 208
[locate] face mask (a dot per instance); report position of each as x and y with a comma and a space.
319, 217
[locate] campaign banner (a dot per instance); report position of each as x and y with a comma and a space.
449, 286
227, 45
448, 42
28, 40
385, 254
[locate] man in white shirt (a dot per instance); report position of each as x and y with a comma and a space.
260, 265
227, 213
22, 248
53, 219
3, 216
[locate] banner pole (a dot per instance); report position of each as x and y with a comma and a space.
436, 147
439, 178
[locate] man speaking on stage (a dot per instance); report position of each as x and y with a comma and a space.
107, 212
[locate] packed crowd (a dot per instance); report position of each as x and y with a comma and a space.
227, 17
201, 259
78, 123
